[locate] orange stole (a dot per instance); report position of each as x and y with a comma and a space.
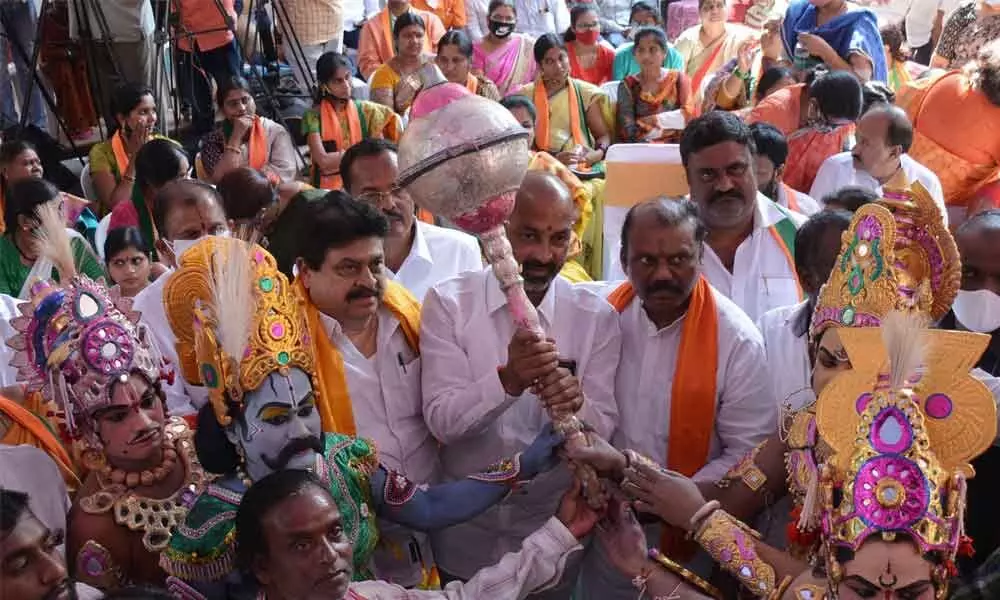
793, 198
257, 146
121, 156
36, 433
692, 420
702, 71
335, 410
329, 125
542, 120
472, 83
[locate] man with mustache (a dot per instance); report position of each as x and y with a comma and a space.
884, 135
293, 509
418, 255
486, 385
32, 566
769, 164
749, 253
291, 399
88, 355
690, 379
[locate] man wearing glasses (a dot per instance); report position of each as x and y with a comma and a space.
417, 254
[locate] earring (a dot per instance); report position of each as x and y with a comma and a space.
93, 459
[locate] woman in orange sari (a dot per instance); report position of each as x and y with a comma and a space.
956, 127
454, 58
710, 45
818, 120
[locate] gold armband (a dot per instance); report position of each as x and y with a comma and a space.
687, 576
734, 546
747, 471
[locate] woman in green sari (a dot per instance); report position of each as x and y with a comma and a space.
20, 260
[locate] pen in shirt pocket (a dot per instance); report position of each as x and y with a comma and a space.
402, 364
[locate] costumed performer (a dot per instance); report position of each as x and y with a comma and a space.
86, 352
262, 417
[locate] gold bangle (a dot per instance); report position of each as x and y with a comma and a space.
687, 576
734, 546
782, 588
233, 149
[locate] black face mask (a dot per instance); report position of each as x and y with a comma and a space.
501, 29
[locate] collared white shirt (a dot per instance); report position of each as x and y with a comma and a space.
437, 254
538, 17
744, 412
8, 311
183, 398
356, 12
763, 276
920, 19
807, 207
838, 172
386, 397
787, 356
465, 330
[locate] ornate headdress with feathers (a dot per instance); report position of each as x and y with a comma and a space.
236, 319
74, 338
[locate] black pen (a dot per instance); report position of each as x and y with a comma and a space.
402, 365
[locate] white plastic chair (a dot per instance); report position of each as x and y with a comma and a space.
87, 185
611, 89
101, 235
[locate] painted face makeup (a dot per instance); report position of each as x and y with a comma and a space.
281, 426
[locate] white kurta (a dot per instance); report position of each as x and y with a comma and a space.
838, 172
763, 277
787, 356
744, 411
437, 254
465, 331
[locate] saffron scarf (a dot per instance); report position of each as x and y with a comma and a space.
146, 225
121, 156
335, 410
792, 197
387, 34
29, 428
257, 148
699, 75
472, 83
693, 392
541, 97
331, 131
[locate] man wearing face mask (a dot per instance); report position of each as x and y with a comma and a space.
883, 138
486, 385
271, 396
977, 308
184, 212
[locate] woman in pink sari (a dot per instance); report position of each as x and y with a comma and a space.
504, 57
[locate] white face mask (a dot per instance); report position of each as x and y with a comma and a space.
179, 247
978, 310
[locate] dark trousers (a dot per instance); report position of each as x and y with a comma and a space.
923, 54
193, 72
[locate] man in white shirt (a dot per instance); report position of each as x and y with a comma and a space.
538, 17
417, 254
770, 154
693, 392
884, 135
486, 386
749, 254
924, 22
372, 324
184, 212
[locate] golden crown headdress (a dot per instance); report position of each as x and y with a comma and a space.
897, 255
236, 320
903, 425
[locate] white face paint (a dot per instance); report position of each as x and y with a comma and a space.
281, 426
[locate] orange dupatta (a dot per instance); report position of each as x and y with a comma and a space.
702, 71
387, 34
542, 122
121, 156
692, 420
472, 83
257, 146
35, 433
335, 410
793, 198
329, 125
